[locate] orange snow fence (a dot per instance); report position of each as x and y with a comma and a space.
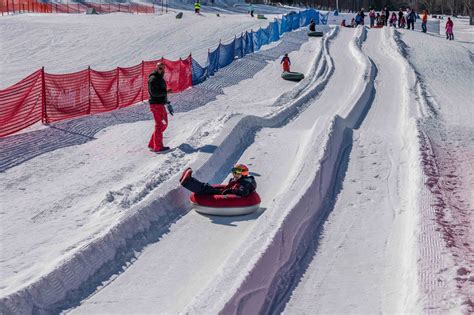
19, 6
55, 97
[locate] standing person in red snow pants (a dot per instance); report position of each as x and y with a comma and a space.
158, 99
286, 63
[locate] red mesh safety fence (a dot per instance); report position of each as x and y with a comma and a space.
130, 8
21, 104
69, 8
55, 97
66, 95
130, 83
103, 91
17, 6
178, 74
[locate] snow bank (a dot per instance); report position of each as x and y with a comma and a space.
443, 251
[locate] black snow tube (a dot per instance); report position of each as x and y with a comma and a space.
315, 34
292, 76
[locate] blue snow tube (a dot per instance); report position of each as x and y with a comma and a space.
315, 34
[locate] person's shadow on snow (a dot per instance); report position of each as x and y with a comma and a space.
230, 220
188, 149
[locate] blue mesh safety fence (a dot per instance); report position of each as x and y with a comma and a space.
256, 40
213, 61
252, 41
265, 36
239, 47
275, 31
248, 43
199, 73
226, 54
324, 18
296, 21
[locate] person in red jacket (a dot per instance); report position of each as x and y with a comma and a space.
449, 29
241, 184
286, 63
424, 20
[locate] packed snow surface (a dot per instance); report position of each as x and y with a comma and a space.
365, 169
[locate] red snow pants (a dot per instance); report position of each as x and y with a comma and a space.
161, 122
286, 66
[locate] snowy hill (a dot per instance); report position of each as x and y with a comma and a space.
365, 169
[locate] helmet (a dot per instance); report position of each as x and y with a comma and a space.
240, 169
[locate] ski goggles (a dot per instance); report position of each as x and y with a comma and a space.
239, 171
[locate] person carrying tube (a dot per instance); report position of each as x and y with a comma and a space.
241, 183
286, 63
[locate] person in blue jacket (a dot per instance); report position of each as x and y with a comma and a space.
251, 9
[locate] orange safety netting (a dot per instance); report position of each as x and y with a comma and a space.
17, 6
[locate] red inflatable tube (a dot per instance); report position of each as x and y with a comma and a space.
226, 204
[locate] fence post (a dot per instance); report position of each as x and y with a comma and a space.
117, 86
90, 86
242, 44
143, 77
44, 114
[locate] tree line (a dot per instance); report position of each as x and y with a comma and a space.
449, 7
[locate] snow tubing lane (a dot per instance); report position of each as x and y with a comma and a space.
225, 205
315, 34
292, 76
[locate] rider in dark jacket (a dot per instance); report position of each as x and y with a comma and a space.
241, 184
157, 88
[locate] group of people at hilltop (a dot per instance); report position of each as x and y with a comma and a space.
404, 19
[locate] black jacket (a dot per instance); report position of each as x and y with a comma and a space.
241, 187
157, 88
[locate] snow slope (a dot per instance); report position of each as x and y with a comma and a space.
364, 168
72, 42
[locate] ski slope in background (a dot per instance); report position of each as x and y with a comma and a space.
365, 169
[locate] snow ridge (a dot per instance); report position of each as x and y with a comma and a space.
359, 109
